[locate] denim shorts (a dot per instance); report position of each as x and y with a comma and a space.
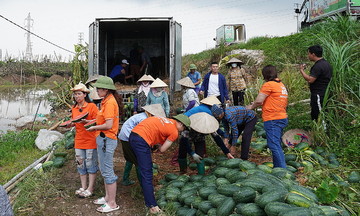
106, 156
86, 160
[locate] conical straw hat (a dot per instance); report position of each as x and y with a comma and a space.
295, 136
211, 100
155, 109
158, 83
146, 78
204, 123
234, 60
91, 79
186, 81
94, 95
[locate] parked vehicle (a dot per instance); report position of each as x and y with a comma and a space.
230, 34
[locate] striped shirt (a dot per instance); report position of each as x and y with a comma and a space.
237, 79
234, 116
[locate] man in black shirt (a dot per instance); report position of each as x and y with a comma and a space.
319, 78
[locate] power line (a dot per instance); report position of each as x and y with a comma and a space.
36, 35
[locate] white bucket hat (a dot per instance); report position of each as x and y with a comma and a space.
155, 109
158, 83
186, 81
211, 100
80, 87
203, 123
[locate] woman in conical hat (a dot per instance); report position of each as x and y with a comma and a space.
190, 97
158, 95
237, 82
142, 92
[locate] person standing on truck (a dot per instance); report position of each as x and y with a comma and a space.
158, 95
142, 92
107, 127
319, 78
148, 133
237, 84
195, 77
135, 62
118, 73
273, 97
146, 65
215, 84
85, 144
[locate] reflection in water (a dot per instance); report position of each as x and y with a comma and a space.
19, 102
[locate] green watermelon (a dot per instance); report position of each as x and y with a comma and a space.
90, 124
80, 117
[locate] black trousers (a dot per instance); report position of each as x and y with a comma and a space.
238, 97
185, 142
316, 101
247, 130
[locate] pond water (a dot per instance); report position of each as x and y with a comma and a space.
19, 102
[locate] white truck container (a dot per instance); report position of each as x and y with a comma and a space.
230, 33
112, 39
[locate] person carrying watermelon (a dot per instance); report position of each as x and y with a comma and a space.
106, 129
273, 97
148, 133
84, 111
150, 110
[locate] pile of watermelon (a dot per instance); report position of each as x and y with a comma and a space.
128, 110
237, 187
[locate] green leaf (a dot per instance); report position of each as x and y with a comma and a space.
327, 193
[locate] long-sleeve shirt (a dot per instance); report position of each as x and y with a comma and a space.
163, 100
234, 116
222, 87
190, 95
129, 125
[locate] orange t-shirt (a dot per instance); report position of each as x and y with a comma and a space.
274, 106
109, 110
84, 139
156, 130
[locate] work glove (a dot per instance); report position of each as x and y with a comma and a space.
196, 157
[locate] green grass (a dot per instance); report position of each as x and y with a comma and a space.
17, 150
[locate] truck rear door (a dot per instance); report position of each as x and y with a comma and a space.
93, 65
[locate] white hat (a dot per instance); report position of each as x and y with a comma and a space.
203, 123
211, 100
155, 109
80, 87
146, 78
124, 61
158, 83
186, 81
94, 95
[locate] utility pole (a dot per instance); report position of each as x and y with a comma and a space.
81, 37
29, 23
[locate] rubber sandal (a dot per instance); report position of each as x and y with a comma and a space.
100, 201
80, 190
85, 194
106, 208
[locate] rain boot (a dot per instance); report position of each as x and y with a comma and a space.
183, 165
201, 167
126, 181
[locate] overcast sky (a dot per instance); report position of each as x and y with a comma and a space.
61, 21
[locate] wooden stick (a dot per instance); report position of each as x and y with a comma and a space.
8, 189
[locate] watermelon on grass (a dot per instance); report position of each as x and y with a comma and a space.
66, 123
90, 124
80, 117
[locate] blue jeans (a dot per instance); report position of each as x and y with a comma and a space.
86, 160
143, 156
106, 163
274, 129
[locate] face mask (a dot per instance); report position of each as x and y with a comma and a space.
233, 65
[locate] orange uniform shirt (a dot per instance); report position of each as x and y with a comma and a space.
156, 130
84, 139
109, 110
274, 106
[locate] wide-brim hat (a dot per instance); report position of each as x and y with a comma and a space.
80, 87
94, 95
295, 136
192, 67
186, 81
91, 79
146, 78
234, 60
155, 110
203, 123
105, 83
183, 119
211, 100
158, 83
